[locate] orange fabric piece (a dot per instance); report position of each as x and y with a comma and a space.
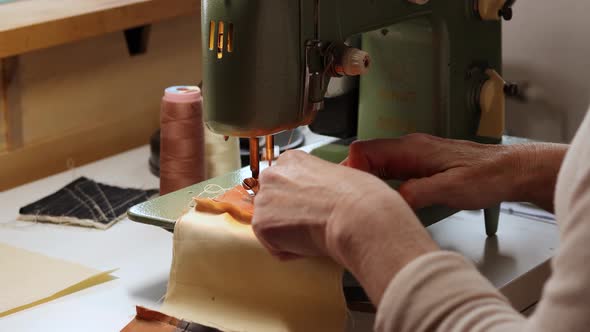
151, 321
147, 320
236, 201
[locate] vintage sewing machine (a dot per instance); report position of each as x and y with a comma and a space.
424, 66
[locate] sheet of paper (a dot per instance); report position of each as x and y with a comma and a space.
221, 276
28, 279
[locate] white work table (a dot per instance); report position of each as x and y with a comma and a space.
516, 258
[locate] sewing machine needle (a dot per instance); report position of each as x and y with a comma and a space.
254, 157
251, 186
270, 149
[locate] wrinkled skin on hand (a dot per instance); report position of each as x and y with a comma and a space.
310, 207
301, 195
437, 171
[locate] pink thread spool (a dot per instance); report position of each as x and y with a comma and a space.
182, 140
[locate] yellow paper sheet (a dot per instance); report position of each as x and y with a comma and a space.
221, 276
28, 279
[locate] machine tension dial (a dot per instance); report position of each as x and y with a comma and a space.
493, 10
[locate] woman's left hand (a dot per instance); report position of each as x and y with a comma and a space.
310, 207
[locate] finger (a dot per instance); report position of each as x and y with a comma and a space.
428, 191
286, 242
262, 221
403, 158
291, 155
284, 256
272, 176
257, 228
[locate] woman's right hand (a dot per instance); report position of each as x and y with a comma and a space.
461, 174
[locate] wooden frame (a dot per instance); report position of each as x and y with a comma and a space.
36, 24
75, 103
10, 110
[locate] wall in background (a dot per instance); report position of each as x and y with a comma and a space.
547, 45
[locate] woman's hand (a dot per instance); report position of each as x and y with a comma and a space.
310, 207
462, 174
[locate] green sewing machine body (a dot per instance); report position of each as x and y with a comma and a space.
267, 64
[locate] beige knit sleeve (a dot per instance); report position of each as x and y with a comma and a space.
444, 292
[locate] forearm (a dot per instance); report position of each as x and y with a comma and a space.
378, 263
538, 165
363, 243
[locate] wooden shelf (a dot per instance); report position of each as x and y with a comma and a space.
28, 25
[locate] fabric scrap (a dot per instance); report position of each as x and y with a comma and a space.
29, 279
85, 202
